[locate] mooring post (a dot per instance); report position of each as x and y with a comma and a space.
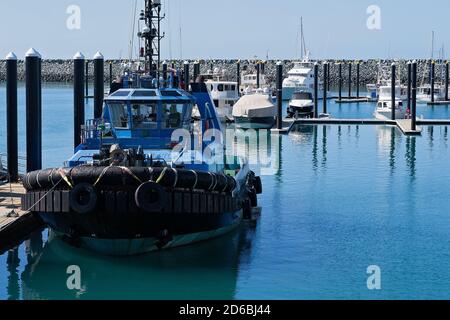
99, 84
196, 70
408, 103
33, 110
78, 97
349, 79
11, 117
446, 80
258, 71
186, 75
393, 91
433, 69
238, 75
328, 76
413, 95
325, 81
110, 73
87, 79
316, 90
164, 74
340, 81
279, 95
357, 79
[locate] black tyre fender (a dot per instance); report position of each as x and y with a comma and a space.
253, 198
258, 185
150, 197
247, 209
83, 198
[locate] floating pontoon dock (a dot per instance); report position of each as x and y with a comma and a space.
15, 224
404, 125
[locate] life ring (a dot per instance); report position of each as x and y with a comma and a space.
83, 198
150, 197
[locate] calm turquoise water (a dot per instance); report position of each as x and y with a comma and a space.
342, 199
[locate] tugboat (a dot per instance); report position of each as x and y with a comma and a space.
132, 187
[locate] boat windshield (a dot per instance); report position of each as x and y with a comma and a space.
302, 96
144, 116
176, 115
119, 115
150, 115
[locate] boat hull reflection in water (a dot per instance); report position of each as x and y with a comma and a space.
208, 270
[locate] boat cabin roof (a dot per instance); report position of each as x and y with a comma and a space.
141, 94
299, 70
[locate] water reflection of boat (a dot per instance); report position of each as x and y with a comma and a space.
301, 133
385, 137
207, 270
260, 148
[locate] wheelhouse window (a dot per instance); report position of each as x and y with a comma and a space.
220, 87
302, 96
176, 116
144, 116
119, 115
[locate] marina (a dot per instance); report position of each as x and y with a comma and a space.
222, 179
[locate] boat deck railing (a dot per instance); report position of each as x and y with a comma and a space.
22, 164
90, 130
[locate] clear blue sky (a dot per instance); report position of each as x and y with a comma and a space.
230, 28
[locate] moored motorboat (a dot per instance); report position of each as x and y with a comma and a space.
224, 92
254, 111
424, 93
301, 105
383, 110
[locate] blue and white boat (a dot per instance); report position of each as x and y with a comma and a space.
145, 177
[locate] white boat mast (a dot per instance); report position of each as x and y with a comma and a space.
302, 40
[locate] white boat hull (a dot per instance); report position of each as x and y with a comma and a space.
427, 98
386, 114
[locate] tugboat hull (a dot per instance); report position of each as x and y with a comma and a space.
113, 210
159, 234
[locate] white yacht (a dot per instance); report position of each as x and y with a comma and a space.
249, 83
384, 104
301, 78
301, 104
372, 92
224, 93
424, 93
383, 80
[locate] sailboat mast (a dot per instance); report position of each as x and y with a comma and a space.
301, 38
432, 45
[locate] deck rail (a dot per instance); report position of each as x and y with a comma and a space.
22, 164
